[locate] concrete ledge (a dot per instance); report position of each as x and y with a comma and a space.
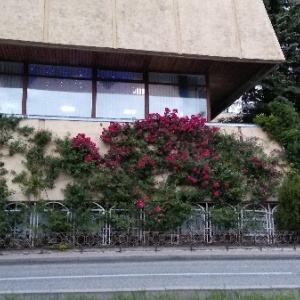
147, 254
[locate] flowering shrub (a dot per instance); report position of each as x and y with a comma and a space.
86, 147
158, 168
163, 164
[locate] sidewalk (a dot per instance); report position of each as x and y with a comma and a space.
37, 256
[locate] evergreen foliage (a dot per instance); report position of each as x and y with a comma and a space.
288, 214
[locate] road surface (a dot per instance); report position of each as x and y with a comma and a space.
131, 275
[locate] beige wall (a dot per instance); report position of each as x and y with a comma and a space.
94, 130
233, 29
59, 129
245, 132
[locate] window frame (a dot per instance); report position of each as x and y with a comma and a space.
95, 79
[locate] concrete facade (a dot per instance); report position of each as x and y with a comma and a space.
232, 42
231, 29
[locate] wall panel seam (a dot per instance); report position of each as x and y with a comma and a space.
237, 29
177, 25
114, 23
46, 21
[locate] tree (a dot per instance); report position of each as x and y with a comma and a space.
284, 83
283, 126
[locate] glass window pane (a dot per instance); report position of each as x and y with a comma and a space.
177, 79
11, 67
62, 72
59, 97
104, 74
11, 91
119, 100
188, 100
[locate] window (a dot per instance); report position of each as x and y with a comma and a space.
11, 87
183, 92
120, 95
120, 100
73, 92
59, 91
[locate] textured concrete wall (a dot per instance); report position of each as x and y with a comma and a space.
233, 29
257, 37
146, 25
209, 27
93, 130
84, 23
22, 20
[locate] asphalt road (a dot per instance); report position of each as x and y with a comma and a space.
173, 274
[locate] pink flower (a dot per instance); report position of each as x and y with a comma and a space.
140, 204
157, 209
206, 169
206, 153
216, 185
216, 193
191, 179
205, 183
206, 176
88, 158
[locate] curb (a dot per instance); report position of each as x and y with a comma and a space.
148, 254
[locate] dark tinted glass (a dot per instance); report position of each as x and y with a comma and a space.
62, 72
104, 74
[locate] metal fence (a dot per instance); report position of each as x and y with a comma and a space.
254, 225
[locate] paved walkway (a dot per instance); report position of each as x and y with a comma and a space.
147, 253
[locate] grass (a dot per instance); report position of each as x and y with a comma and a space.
170, 296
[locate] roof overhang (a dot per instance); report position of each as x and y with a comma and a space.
228, 78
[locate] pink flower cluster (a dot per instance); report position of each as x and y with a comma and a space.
155, 212
83, 143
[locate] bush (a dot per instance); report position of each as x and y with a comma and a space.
288, 213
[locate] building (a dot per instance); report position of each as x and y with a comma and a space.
68, 64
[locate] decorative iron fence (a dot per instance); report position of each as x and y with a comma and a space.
253, 225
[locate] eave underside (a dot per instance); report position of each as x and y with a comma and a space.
227, 79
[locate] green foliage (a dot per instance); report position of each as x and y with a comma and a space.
284, 83
166, 210
40, 171
4, 193
225, 217
55, 221
213, 295
196, 162
9, 126
283, 125
288, 214
156, 169
70, 161
17, 146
